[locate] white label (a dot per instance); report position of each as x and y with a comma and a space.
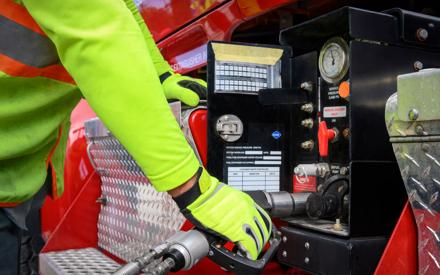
335, 111
254, 178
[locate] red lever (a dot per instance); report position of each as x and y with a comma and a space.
324, 136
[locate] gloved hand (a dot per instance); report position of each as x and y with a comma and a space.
184, 88
220, 209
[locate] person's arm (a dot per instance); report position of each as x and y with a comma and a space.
159, 62
186, 89
102, 47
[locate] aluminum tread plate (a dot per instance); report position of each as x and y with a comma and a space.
76, 261
135, 217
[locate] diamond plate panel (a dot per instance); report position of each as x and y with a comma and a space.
416, 144
135, 217
76, 261
420, 168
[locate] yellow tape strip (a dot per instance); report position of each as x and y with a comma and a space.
249, 54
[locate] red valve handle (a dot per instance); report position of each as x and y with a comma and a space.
324, 136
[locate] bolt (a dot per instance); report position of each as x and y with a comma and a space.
422, 34
284, 239
307, 123
319, 188
306, 260
102, 200
284, 253
419, 130
337, 226
307, 245
413, 114
308, 86
418, 65
346, 133
307, 145
308, 108
343, 170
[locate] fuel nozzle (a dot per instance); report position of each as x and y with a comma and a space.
280, 204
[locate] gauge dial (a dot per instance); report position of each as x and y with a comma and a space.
333, 60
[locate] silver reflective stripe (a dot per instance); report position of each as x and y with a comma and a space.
25, 45
219, 186
251, 233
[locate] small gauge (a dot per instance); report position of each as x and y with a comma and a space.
334, 60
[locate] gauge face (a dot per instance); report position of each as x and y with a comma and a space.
333, 60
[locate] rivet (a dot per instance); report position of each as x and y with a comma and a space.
306, 260
284, 253
425, 147
284, 239
307, 245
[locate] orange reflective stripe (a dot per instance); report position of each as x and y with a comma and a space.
14, 68
19, 14
49, 162
9, 204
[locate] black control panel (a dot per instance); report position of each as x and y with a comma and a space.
342, 69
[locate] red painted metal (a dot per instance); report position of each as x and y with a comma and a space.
185, 50
78, 227
77, 171
165, 17
400, 255
198, 124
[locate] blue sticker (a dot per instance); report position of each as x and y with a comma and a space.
276, 134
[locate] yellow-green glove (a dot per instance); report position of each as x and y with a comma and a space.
184, 88
220, 209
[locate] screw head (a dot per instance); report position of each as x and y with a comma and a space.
422, 34
306, 260
284, 253
210, 253
419, 130
425, 147
284, 239
413, 114
418, 65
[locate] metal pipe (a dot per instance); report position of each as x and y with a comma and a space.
280, 204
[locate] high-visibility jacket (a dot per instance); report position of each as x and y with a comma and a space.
51, 52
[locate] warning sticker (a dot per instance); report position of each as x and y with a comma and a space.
253, 168
335, 111
254, 178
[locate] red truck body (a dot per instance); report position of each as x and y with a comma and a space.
182, 29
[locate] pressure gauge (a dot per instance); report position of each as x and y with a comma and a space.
334, 60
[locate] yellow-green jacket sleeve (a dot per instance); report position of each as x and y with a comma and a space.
102, 47
159, 62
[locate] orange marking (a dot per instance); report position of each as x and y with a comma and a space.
19, 14
49, 162
15, 68
9, 204
344, 89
